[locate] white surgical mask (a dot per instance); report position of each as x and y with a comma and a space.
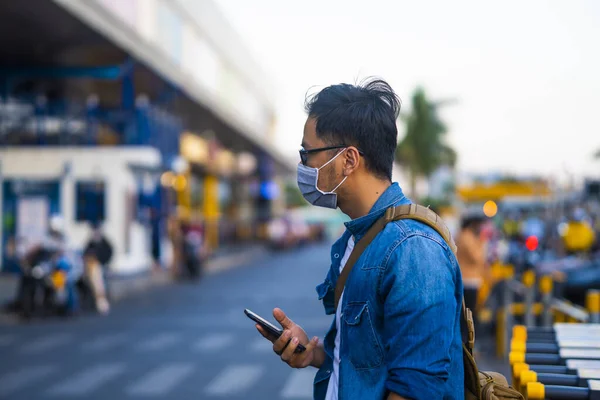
307, 183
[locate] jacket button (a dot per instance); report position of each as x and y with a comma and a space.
336, 255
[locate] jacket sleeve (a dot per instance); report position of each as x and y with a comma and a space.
420, 309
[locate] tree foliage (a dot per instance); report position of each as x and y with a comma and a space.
423, 150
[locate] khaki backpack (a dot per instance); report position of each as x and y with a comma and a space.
479, 385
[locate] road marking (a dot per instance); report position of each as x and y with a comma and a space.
214, 342
5, 340
160, 381
160, 342
261, 345
16, 380
105, 342
46, 343
299, 385
87, 381
235, 379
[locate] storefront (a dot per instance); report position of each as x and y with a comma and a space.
216, 189
115, 187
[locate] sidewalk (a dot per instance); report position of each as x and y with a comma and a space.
122, 286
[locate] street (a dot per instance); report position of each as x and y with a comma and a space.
179, 341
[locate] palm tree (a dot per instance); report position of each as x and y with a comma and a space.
423, 149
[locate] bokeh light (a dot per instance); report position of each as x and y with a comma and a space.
490, 209
532, 243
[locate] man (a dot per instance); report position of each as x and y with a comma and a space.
396, 332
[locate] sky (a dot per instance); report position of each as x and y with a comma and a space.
525, 75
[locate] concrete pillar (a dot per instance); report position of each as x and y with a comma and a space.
211, 210
67, 199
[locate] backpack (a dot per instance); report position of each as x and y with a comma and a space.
479, 385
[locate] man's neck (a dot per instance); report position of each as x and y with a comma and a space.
365, 197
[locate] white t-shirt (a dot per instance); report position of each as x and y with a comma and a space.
332, 389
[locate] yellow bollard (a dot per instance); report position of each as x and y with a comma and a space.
520, 332
517, 369
592, 304
528, 278
535, 391
515, 357
518, 346
526, 378
546, 284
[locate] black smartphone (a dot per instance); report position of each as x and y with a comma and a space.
270, 328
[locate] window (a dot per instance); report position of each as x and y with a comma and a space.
90, 201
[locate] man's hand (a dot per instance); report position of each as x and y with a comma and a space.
286, 344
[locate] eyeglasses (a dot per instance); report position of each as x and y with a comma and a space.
304, 153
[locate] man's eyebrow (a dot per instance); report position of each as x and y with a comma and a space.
304, 146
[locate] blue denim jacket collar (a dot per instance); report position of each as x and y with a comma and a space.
392, 196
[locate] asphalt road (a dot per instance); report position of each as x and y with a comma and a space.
180, 341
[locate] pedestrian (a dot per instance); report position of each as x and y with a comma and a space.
97, 256
472, 258
396, 332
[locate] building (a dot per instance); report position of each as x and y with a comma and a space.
126, 112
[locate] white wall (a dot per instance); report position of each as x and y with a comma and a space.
108, 164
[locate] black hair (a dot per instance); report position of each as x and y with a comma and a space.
362, 115
472, 221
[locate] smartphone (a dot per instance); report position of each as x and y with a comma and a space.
270, 328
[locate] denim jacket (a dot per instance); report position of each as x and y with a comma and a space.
401, 310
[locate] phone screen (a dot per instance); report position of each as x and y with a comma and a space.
269, 327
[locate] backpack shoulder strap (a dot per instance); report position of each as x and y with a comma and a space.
424, 215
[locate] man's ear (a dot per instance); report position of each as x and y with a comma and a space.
352, 160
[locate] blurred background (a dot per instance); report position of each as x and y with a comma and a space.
148, 151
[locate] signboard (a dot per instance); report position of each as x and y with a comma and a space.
32, 218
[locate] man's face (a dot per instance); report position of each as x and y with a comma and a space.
328, 178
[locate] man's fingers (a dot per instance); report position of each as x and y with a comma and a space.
311, 345
280, 316
264, 333
280, 344
290, 350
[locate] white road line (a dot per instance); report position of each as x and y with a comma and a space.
235, 379
299, 385
160, 342
261, 345
5, 340
161, 380
105, 342
45, 343
16, 380
88, 380
214, 342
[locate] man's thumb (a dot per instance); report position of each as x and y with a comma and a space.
283, 320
